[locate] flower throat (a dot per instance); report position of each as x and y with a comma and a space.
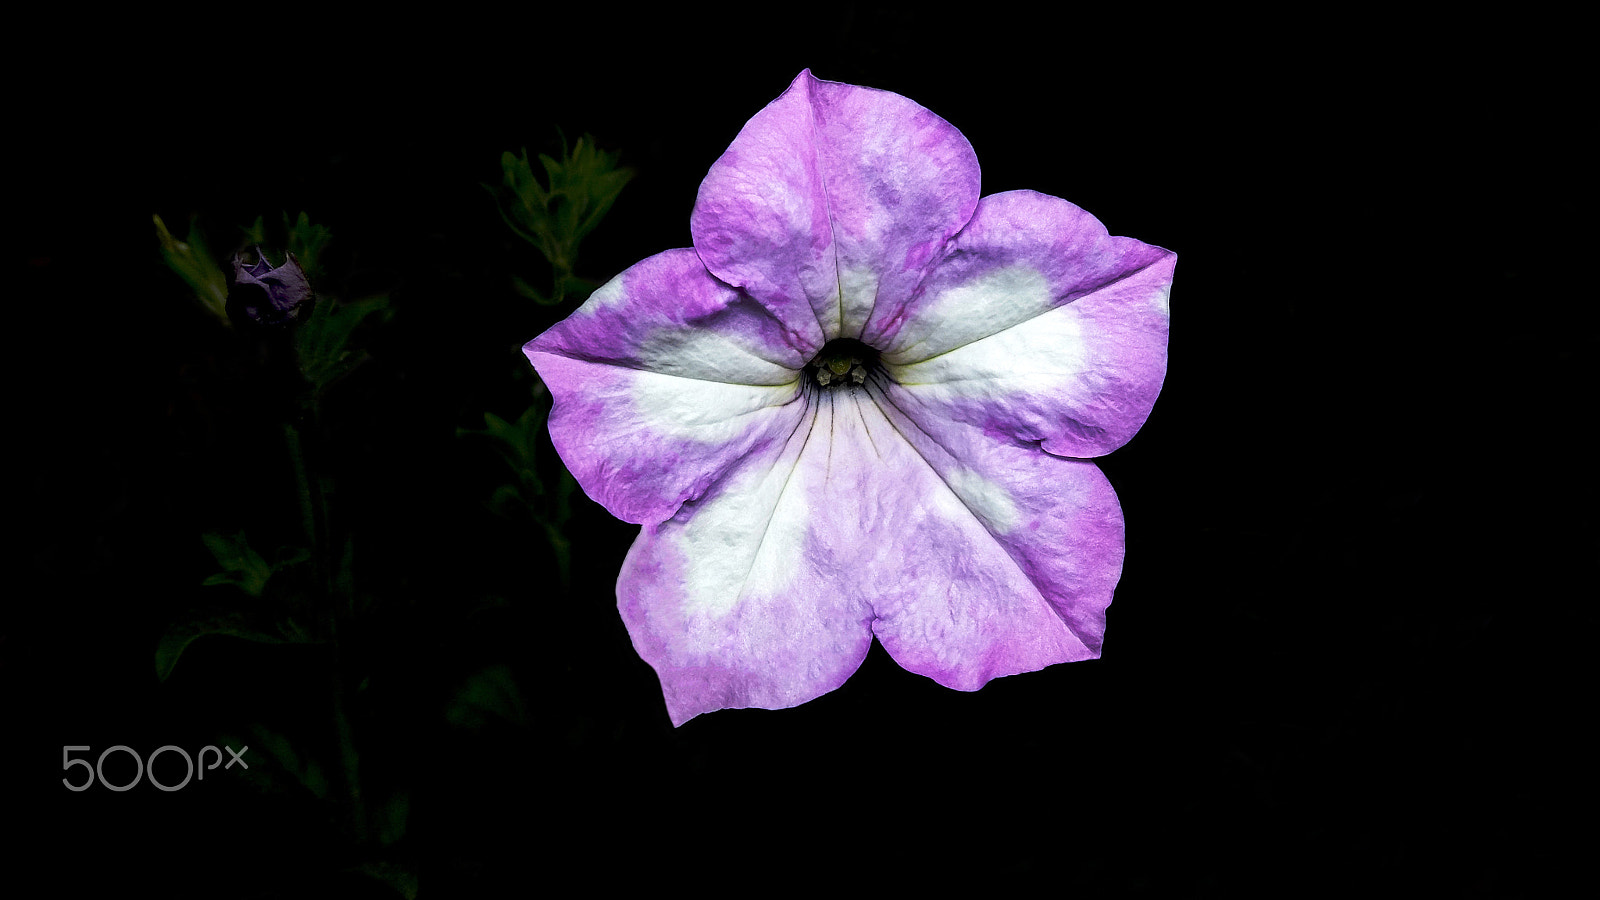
843, 361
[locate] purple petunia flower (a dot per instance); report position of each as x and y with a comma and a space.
271, 295
861, 405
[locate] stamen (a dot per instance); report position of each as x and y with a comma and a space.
844, 361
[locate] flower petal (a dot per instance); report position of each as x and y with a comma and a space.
1038, 326
664, 380
667, 314
834, 198
762, 593
1017, 566
729, 600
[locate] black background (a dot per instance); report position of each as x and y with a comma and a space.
1346, 651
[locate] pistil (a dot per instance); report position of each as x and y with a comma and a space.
843, 361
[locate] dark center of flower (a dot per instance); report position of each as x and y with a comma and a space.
843, 361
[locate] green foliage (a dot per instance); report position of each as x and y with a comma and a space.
548, 504
241, 564
250, 572
231, 622
323, 342
557, 216
393, 816
302, 238
282, 768
306, 594
400, 879
489, 695
192, 261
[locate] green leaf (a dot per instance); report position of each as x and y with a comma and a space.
323, 341
300, 237
257, 234
576, 289
247, 570
399, 877
579, 190
306, 242
182, 632
529, 292
393, 817
192, 261
281, 767
241, 565
490, 694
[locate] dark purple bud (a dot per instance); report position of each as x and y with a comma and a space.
268, 295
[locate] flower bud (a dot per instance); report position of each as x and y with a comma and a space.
270, 295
